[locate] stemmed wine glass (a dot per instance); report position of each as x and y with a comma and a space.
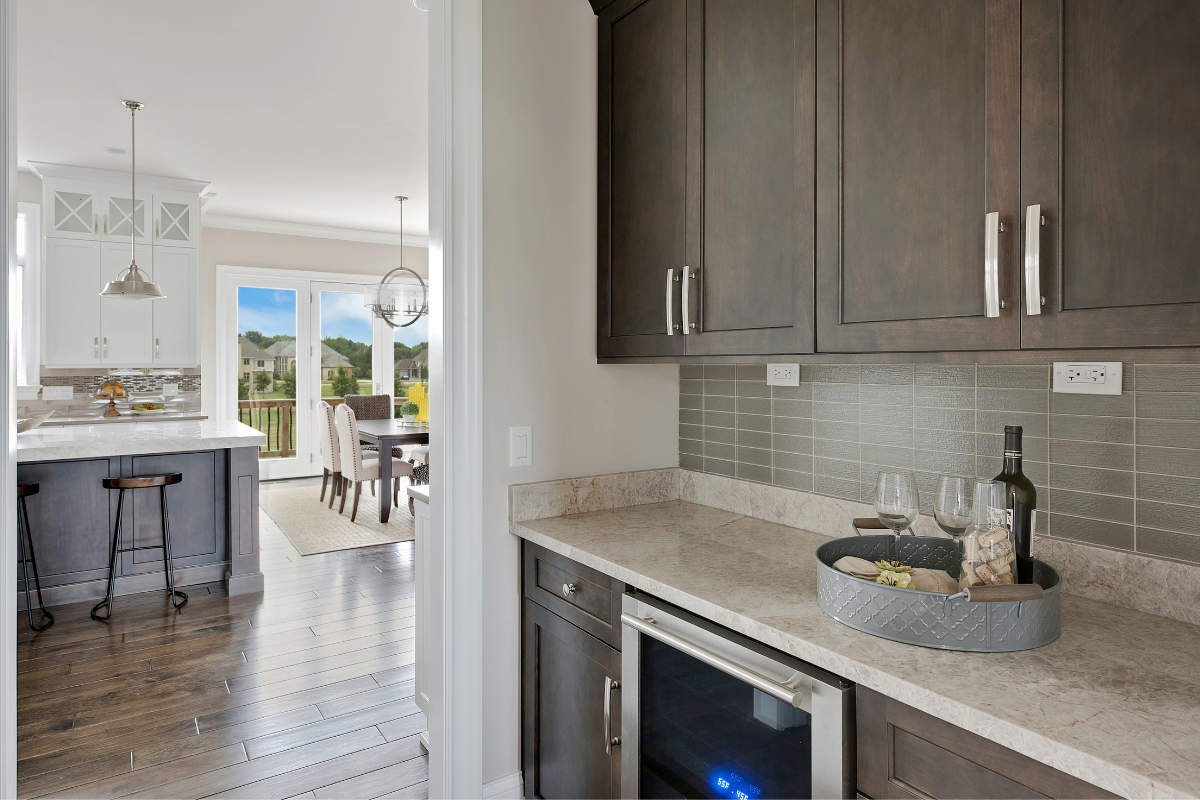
896, 500
952, 506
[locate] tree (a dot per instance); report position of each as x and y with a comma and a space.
264, 341
357, 353
287, 383
262, 381
344, 383
244, 387
398, 389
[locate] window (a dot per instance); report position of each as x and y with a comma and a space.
245, 362
262, 363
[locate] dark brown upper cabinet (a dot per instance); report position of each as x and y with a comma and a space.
707, 170
642, 176
751, 233
1111, 154
918, 139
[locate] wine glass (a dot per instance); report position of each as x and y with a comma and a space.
896, 500
952, 506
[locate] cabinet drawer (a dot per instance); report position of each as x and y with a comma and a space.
595, 602
903, 752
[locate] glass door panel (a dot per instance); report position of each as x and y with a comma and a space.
410, 357
266, 372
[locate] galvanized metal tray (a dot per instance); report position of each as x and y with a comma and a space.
929, 619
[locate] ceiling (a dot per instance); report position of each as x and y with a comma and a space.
297, 111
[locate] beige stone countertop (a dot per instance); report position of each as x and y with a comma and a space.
1114, 701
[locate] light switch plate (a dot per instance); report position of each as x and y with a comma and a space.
520, 446
1087, 377
58, 392
170, 389
783, 374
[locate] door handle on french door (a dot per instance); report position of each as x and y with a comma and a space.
1034, 300
991, 265
609, 739
672, 326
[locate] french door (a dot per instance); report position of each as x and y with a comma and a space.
284, 340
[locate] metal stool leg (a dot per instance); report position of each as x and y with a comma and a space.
170, 566
112, 563
23, 531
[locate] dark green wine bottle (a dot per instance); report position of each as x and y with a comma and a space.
1022, 500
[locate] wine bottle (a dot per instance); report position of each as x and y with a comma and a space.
1021, 498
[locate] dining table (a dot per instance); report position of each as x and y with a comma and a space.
386, 434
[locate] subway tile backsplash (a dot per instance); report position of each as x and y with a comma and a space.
1116, 471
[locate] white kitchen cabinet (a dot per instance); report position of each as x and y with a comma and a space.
176, 219
126, 326
177, 272
74, 211
71, 283
119, 215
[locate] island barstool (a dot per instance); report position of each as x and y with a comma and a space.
23, 532
141, 482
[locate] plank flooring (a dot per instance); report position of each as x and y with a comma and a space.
303, 691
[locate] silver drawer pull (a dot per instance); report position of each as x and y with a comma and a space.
671, 326
790, 696
609, 739
568, 589
991, 265
1033, 259
688, 277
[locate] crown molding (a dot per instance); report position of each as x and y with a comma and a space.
315, 231
91, 174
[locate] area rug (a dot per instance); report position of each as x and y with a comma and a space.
312, 527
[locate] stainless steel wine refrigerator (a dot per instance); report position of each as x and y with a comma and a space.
707, 712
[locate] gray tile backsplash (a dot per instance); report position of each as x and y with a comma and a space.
1117, 471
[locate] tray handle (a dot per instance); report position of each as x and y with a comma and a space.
867, 524
1004, 594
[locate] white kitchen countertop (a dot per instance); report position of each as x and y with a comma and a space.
1115, 701
133, 438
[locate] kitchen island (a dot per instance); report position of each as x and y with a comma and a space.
1115, 701
213, 512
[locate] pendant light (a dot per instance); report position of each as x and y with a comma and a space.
132, 284
396, 300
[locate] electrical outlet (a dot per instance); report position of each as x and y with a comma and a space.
170, 389
520, 446
1087, 377
783, 374
58, 392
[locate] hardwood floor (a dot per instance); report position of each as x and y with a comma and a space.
303, 691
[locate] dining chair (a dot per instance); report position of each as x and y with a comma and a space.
373, 406
331, 462
355, 468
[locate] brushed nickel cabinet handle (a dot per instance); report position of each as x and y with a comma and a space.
991, 265
609, 739
688, 277
158, 351
106, 347
568, 589
96, 347
671, 326
1034, 300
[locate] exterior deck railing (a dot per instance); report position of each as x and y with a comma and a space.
277, 419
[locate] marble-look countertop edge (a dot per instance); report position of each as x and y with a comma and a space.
1058, 755
135, 438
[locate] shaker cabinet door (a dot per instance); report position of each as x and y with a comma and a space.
126, 326
567, 673
71, 284
751, 169
918, 140
1111, 154
642, 165
175, 326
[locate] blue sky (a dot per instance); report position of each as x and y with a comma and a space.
273, 311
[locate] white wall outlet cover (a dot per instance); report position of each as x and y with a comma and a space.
58, 392
170, 389
783, 374
1087, 377
520, 446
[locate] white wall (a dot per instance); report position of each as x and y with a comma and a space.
280, 251
539, 313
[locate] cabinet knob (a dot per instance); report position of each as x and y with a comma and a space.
568, 589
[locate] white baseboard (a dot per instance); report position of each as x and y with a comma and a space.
508, 787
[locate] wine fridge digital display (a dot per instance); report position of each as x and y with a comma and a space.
709, 713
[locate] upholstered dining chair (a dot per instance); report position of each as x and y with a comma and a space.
331, 460
355, 468
373, 406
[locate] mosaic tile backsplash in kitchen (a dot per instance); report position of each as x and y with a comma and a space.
1117, 471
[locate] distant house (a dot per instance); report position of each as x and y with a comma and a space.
252, 358
409, 369
330, 361
284, 355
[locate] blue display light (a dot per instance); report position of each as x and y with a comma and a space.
732, 785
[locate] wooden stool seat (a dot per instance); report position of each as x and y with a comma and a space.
161, 482
143, 481
27, 559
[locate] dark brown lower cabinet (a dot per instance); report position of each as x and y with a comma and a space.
903, 752
567, 740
